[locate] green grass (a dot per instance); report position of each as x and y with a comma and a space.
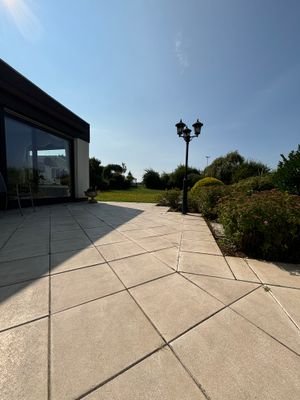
138, 195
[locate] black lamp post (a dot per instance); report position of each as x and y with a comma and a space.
184, 132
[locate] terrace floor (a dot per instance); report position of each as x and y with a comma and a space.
118, 301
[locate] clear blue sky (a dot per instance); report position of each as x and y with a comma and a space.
133, 68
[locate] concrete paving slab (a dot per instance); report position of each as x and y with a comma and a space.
73, 234
92, 342
108, 238
168, 256
166, 229
201, 246
138, 269
65, 227
60, 246
154, 243
78, 286
23, 250
140, 233
206, 264
261, 309
196, 227
197, 235
234, 360
290, 301
120, 250
225, 290
66, 261
277, 273
165, 299
23, 269
23, 302
241, 269
24, 362
174, 238
159, 377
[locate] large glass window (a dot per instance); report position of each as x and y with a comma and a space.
37, 157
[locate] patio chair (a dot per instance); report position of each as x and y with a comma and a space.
20, 192
3, 190
23, 192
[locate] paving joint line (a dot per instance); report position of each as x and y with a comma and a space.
209, 316
284, 309
24, 323
122, 371
14, 231
219, 277
198, 384
179, 252
75, 268
265, 332
155, 328
230, 303
258, 277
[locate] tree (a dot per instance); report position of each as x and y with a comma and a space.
165, 180
224, 167
287, 176
129, 179
96, 170
151, 179
176, 177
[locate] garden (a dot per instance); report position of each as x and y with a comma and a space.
252, 211
257, 211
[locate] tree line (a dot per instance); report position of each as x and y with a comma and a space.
230, 168
110, 176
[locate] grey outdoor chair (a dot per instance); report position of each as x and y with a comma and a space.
20, 192
3, 190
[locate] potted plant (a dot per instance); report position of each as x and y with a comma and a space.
91, 193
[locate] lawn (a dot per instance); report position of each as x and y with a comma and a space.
138, 195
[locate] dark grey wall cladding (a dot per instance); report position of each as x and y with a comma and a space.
19, 94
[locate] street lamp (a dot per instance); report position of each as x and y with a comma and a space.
207, 157
184, 132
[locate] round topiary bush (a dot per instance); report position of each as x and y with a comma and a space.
263, 225
208, 181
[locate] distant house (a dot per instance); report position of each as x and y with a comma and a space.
41, 141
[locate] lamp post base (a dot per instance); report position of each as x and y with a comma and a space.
184, 197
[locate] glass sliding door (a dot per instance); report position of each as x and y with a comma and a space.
19, 155
39, 157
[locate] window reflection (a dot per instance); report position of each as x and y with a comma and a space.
38, 157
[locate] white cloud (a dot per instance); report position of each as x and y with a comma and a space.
181, 54
24, 18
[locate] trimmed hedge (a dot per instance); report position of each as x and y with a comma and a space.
206, 200
255, 184
263, 225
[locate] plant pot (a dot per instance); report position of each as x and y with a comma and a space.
91, 195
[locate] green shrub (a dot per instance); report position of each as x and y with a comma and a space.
170, 198
249, 168
263, 225
208, 181
255, 184
206, 200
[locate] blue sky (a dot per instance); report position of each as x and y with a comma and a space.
133, 68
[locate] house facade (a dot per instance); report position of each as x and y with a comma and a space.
41, 141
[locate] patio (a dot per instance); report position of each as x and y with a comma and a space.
128, 301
